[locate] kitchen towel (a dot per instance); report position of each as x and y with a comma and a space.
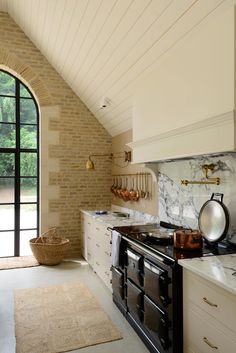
115, 249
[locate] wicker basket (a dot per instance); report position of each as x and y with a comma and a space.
49, 248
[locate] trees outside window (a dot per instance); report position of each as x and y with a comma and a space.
19, 166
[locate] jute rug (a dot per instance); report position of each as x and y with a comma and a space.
7, 263
59, 319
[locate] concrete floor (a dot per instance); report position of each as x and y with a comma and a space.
68, 271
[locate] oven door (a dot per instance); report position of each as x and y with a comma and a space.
135, 266
134, 301
156, 283
156, 322
118, 283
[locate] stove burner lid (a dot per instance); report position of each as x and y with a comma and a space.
160, 233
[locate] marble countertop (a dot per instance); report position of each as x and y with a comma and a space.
220, 270
113, 221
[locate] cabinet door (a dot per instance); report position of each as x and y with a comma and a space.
86, 231
90, 243
84, 249
102, 253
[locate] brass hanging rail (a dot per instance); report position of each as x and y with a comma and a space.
127, 175
214, 181
205, 169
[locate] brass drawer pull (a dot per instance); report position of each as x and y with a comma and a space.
107, 253
98, 245
209, 343
209, 303
107, 234
97, 229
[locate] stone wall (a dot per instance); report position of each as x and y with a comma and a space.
69, 133
180, 204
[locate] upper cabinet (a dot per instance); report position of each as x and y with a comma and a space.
186, 106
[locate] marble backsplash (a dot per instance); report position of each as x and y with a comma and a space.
180, 204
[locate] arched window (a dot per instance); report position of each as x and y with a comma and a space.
19, 166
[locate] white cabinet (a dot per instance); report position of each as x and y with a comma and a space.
86, 232
96, 247
209, 316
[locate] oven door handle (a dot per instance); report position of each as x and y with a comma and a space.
153, 269
133, 256
144, 249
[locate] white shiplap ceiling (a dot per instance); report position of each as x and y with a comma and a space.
102, 47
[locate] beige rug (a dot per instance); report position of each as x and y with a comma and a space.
59, 319
7, 263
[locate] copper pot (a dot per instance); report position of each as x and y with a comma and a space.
188, 239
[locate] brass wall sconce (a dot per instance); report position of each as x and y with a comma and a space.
205, 170
126, 155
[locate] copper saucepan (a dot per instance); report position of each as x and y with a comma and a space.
188, 239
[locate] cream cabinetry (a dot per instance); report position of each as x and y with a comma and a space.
96, 247
86, 231
209, 316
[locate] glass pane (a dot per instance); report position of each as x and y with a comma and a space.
28, 190
7, 135
25, 237
28, 136
28, 216
7, 84
7, 164
6, 217
7, 110
6, 244
28, 164
7, 190
24, 91
28, 112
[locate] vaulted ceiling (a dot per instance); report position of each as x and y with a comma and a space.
103, 47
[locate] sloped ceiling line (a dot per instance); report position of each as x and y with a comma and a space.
103, 47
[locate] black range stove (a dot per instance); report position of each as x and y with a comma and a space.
147, 282
159, 239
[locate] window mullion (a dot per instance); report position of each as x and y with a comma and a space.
17, 172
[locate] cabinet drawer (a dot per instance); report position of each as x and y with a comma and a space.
106, 277
203, 336
212, 299
103, 272
100, 228
102, 236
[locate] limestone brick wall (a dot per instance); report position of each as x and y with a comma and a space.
69, 133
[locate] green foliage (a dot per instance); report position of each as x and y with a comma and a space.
28, 134
7, 84
7, 164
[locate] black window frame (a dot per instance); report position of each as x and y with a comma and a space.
17, 150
